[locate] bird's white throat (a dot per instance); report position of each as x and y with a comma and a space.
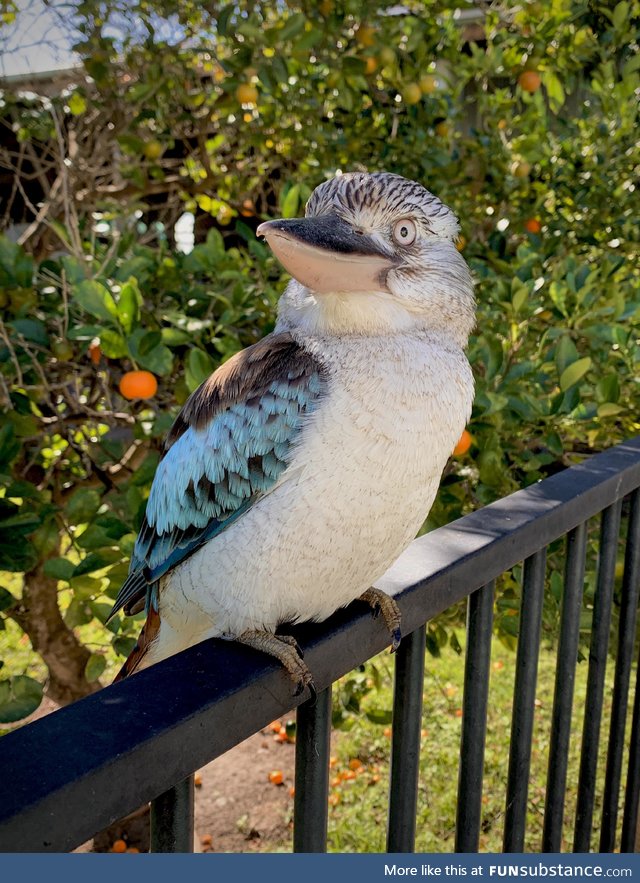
340, 313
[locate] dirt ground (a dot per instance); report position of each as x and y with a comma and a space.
237, 807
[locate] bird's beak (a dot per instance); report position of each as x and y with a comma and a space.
325, 254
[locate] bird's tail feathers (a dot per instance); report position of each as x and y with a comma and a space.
148, 634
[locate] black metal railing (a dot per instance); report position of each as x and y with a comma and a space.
73, 773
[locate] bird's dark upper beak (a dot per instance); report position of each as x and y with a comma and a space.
325, 254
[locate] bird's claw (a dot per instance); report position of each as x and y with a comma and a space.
286, 649
381, 603
291, 641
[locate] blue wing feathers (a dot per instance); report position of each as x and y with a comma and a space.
215, 469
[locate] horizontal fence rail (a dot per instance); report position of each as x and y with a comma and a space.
70, 775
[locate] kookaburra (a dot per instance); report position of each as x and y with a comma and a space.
299, 471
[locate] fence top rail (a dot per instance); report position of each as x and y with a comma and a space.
71, 774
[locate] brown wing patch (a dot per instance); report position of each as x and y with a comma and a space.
246, 375
148, 634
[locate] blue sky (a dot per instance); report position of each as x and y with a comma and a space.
40, 39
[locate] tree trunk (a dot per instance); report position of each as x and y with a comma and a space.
39, 616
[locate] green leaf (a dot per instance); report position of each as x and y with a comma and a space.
159, 360
19, 697
16, 553
78, 613
6, 599
294, 26
519, 298
289, 206
9, 445
85, 332
609, 409
199, 367
31, 329
97, 561
82, 505
123, 645
554, 90
26, 521
85, 587
175, 337
77, 104
571, 375
95, 299
379, 716
59, 568
96, 664
129, 304
566, 353
113, 345
620, 15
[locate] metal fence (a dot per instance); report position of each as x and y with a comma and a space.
73, 773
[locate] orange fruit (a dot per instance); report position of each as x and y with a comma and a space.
529, 81
366, 35
133, 849
206, 840
428, 84
461, 242
532, 225
95, 353
464, 443
246, 93
386, 56
138, 385
522, 169
248, 209
442, 129
411, 93
292, 791
153, 149
370, 64
334, 799
119, 846
276, 777
62, 350
197, 780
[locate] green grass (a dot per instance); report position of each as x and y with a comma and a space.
357, 816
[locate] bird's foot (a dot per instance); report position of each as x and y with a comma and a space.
382, 603
285, 649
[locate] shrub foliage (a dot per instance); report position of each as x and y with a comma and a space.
235, 112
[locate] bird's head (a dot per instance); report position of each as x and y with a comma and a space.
374, 254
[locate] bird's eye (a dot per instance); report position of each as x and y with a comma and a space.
404, 231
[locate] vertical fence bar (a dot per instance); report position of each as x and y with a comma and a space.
524, 695
313, 736
563, 692
171, 819
626, 639
632, 793
474, 718
405, 743
601, 624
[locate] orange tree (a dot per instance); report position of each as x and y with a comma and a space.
522, 118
